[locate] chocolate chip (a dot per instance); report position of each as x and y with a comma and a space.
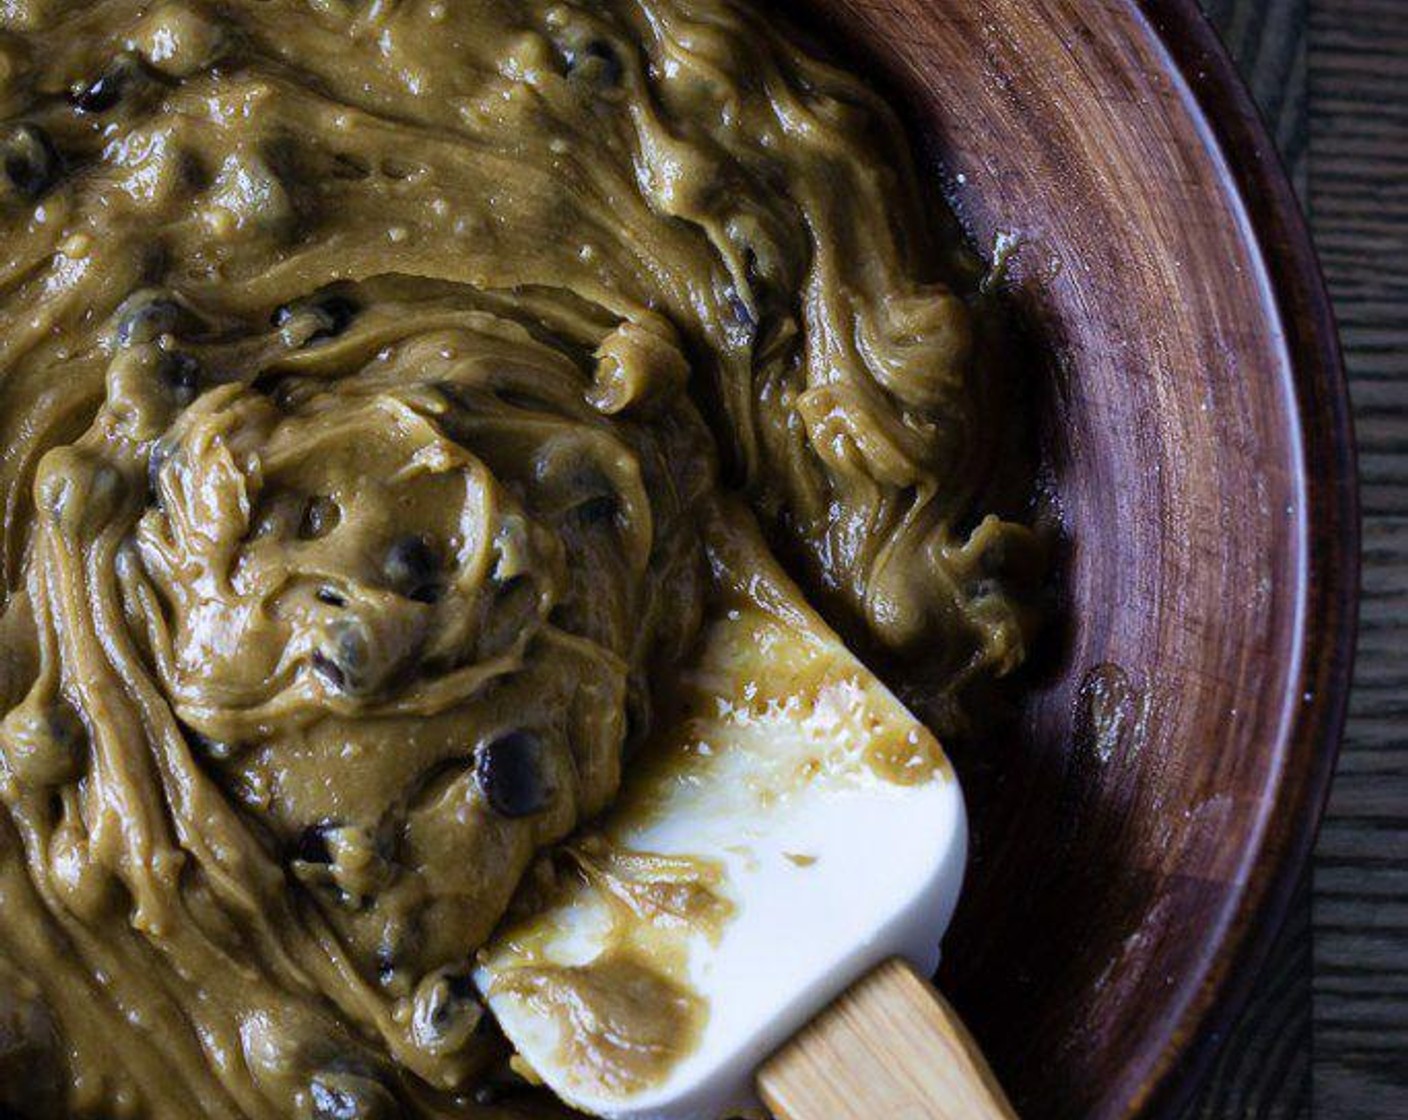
347, 864
398, 947
597, 61
388, 969
32, 163
513, 614
600, 510
329, 670
312, 844
100, 95
347, 1095
446, 1011
320, 517
210, 748
739, 309
147, 316
509, 771
461, 986
314, 319
345, 660
347, 165
983, 588
338, 313
105, 91
157, 459
181, 372
501, 1085
66, 726
411, 567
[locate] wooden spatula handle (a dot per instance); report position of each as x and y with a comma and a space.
891, 1048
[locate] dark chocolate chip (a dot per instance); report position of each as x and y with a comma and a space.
446, 1012
750, 265
600, 510
344, 863
329, 670
325, 316
100, 95
66, 726
146, 317
312, 844
346, 165
105, 91
742, 313
397, 949
509, 771
210, 748
388, 969
445, 1009
181, 372
157, 459
411, 567
345, 658
337, 313
201, 743
461, 986
346, 1095
32, 163
514, 613
983, 588
598, 61
320, 517
500, 1086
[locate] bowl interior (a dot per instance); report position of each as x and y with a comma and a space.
1129, 825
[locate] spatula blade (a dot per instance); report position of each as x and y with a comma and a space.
792, 827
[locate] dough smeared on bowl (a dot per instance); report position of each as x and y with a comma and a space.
366, 371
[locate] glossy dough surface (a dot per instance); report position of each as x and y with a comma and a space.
366, 371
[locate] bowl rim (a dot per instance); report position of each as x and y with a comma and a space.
1327, 628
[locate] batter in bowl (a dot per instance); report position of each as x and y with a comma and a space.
367, 369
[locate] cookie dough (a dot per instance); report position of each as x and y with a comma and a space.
365, 368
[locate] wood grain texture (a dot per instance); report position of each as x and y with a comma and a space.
889, 1047
1138, 833
1359, 199
1267, 40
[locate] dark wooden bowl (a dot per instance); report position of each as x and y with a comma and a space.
1138, 834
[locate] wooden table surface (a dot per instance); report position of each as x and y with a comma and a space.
1327, 1031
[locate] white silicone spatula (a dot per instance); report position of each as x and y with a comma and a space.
793, 836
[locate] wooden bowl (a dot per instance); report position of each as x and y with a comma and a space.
1139, 833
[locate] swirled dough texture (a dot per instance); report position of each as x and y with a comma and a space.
364, 368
